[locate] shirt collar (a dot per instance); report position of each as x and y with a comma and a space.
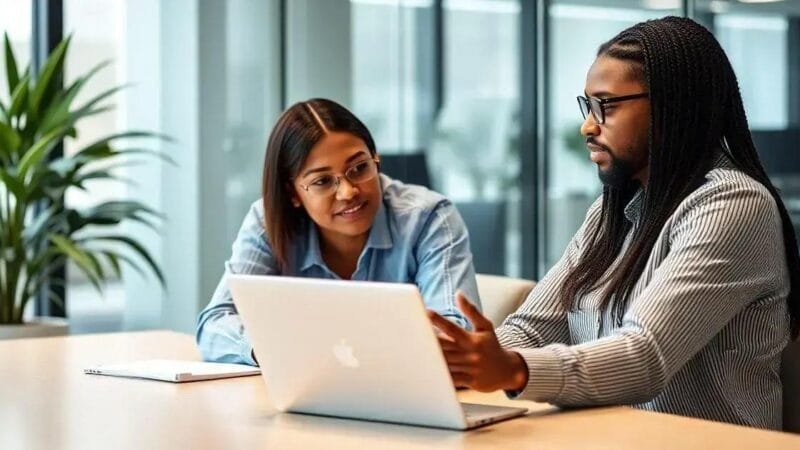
313, 255
380, 237
633, 210
634, 207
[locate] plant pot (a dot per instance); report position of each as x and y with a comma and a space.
36, 327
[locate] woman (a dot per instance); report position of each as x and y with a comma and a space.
331, 214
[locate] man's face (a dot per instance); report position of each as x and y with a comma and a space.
618, 146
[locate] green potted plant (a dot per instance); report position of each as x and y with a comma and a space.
39, 232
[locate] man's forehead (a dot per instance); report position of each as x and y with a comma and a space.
613, 76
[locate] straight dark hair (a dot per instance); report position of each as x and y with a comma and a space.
696, 110
297, 131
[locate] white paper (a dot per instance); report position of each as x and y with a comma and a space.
175, 371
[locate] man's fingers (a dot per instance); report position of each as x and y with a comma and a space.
456, 333
448, 345
479, 322
461, 379
457, 358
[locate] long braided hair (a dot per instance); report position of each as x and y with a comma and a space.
696, 109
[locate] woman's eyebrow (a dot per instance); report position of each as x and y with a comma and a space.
328, 168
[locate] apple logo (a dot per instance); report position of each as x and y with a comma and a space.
344, 354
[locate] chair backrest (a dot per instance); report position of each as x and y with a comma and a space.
486, 223
500, 296
777, 150
407, 167
790, 376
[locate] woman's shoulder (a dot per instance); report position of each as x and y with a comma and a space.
402, 198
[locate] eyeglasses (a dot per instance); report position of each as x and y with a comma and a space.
328, 184
597, 106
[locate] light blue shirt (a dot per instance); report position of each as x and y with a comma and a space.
417, 237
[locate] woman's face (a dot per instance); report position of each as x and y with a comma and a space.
343, 210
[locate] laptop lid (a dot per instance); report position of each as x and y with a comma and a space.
355, 349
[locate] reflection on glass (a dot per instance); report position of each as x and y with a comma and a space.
392, 68
573, 183
93, 26
762, 41
474, 154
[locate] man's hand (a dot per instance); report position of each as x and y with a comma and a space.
475, 359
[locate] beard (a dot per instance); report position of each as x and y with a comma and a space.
618, 174
620, 171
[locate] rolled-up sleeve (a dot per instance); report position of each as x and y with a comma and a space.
444, 263
220, 333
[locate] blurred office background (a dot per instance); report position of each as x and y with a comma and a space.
475, 98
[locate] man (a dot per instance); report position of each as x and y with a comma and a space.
680, 289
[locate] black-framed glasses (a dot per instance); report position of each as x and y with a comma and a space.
327, 184
597, 106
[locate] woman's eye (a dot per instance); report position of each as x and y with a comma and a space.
322, 181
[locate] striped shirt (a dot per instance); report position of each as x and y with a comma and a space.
703, 330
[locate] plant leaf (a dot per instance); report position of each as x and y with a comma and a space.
143, 151
89, 107
58, 112
4, 113
113, 261
34, 232
80, 257
136, 247
19, 97
13, 184
36, 153
12, 75
96, 264
128, 260
49, 79
9, 141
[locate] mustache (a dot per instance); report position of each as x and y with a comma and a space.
590, 140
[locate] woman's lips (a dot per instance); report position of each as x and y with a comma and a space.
352, 211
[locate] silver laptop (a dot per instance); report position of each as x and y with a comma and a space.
360, 350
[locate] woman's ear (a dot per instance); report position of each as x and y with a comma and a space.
295, 199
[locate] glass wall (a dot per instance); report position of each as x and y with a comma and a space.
206, 75
474, 153
576, 30
392, 71
95, 26
762, 41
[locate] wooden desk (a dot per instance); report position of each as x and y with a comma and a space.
46, 402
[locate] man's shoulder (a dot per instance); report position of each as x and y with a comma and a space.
730, 184
731, 190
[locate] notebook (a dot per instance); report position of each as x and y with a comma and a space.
175, 371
